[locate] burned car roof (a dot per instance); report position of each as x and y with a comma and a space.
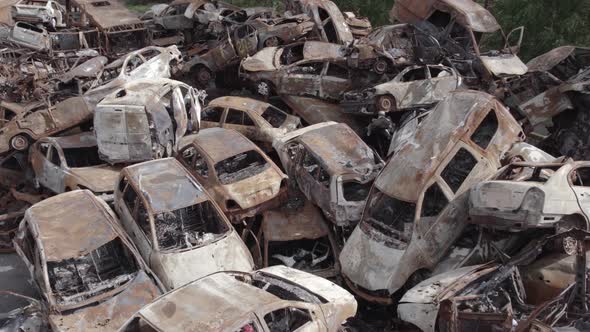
339, 148
58, 243
216, 140
166, 184
240, 102
135, 93
418, 159
81, 140
469, 13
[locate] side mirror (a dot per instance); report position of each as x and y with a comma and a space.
516, 34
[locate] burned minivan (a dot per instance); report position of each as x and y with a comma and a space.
145, 119
333, 167
241, 178
176, 225
417, 207
90, 275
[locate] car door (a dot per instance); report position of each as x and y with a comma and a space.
301, 79
579, 180
245, 40
53, 174
241, 122
57, 14
335, 80
415, 88
442, 82
134, 217
313, 179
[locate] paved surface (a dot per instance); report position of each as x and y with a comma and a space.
15, 277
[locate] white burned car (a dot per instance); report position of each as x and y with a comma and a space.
177, 227
273, 299
534, 195
145, 120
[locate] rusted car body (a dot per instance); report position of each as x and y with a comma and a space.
42, 122
414, 87
30, 36
256, 301
314, 111
71, 162
13, 167
258, 121
359, 26
48, 12
297, 235
89, 274
542, 108
333, 167
417, 207
175, 224
120, 29
533, 195
498, 297
147, 63
278, 31
330, 23
206, 59
145, 120
306, 69
562, 62
465, 22
23, 313
239, 176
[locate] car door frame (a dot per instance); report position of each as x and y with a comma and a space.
309, 185
50, 170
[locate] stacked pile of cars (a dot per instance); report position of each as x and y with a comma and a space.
209, 167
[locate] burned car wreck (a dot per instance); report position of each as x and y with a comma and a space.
268, 167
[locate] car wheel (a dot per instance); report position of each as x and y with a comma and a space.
386, 104
272, 42
19, 142
380, 66
263, 88
202, 75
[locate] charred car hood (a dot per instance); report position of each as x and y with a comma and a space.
226, 254
111, 314
262, 61
98, 179
256, 189
367, 262
504, 64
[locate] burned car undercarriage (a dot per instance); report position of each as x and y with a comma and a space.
211, 167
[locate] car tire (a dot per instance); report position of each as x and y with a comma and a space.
202, 76
380, 66
20, 142
272, 42
386, 103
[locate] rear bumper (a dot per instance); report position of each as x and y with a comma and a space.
515, 220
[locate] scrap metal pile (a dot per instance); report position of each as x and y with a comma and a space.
290, 171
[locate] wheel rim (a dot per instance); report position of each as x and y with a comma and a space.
263, 88
380, 67
203, 76
385, 103
19, 143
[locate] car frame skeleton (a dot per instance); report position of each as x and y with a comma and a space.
416, 209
